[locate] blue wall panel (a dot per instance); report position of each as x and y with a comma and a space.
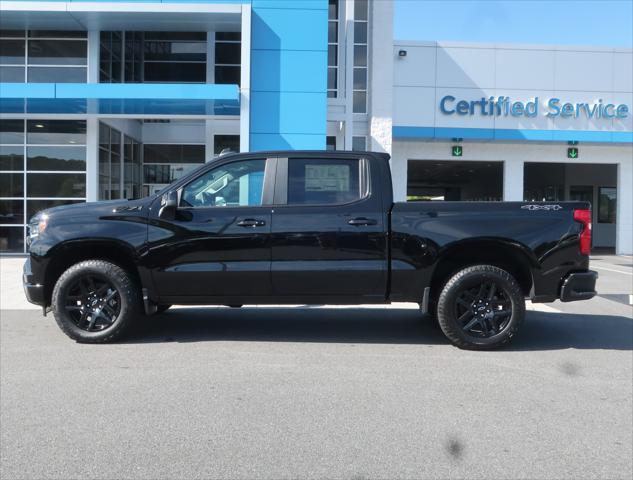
288, 104
289, 29
288, 112
604, 136
286, 141
288, 70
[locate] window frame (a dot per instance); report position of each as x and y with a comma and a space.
281, 182
270, 167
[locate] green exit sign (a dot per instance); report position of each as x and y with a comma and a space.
457, 151
572, 152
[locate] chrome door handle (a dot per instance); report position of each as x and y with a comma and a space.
362, 221
251, 222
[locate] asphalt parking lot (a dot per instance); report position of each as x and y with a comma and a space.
353, 393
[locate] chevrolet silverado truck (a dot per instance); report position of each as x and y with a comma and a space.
305, 227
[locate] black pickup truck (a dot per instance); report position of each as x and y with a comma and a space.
305, 228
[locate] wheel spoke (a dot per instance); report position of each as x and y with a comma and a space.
482, 291
470, 324
91, 284
469, 294
83, 318
502, 313
110, 311
82, 287
465, 316
93, 319
463, 303
493, 290
484, 326
102, 289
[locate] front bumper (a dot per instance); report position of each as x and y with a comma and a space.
579, 286
34, 291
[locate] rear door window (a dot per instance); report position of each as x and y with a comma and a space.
325, 181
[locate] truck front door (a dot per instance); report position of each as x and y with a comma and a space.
328, 229
219, 243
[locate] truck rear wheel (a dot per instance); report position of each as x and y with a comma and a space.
95, 301
481, 307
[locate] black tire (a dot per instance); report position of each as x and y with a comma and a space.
488, 320
95, 301
162, 308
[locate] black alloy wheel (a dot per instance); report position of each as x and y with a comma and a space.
93, 303
483, 310
96, 301
481, 307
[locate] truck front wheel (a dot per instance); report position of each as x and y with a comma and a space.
481, 307
95, 301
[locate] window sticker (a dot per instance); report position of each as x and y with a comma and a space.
327, 178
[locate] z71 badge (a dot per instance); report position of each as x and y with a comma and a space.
541, 207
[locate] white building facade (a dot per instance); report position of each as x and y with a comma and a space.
517, 122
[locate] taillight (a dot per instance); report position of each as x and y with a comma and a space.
584, 217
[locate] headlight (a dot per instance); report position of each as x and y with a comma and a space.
37, 226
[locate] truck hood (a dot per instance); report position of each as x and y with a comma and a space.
96, 209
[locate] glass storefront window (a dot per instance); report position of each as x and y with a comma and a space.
607, 205
56, 158
12, 52
333, 43
359, 144
11, 74
65, 185
175, 57
11, 157
54, 172
43, 56
228, 54
11, 131
12, 239
109, 162
131, 168
57, 74
58, 52
361, 40
158, 153
227, 75
223, 142
11, 184
11, 211
58, 34
56, 132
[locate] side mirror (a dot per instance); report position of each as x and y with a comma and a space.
168, 206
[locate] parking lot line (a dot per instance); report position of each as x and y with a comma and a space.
611, 270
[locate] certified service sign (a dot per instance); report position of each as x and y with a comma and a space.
554, 107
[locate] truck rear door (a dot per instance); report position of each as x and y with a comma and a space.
328, 232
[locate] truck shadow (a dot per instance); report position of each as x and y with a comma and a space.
541, 330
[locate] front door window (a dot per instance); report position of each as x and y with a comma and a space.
237, 184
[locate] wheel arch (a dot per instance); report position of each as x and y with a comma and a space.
513, 257
69, 253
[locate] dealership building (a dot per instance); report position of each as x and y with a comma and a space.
104, 100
